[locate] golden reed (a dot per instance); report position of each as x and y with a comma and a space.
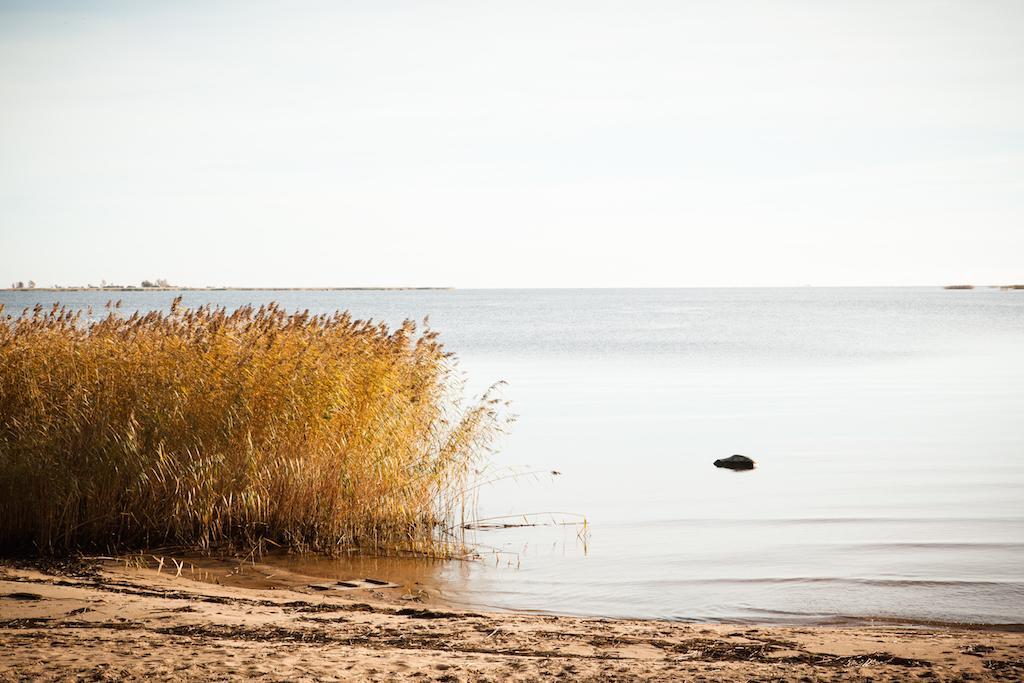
208, 428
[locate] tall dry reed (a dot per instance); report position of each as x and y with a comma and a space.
206, 427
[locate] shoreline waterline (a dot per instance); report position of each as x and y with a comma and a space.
141, 623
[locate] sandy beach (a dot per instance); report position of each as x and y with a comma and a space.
109, 621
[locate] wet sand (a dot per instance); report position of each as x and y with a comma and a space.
214, 621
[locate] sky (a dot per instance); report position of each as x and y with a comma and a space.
512, 144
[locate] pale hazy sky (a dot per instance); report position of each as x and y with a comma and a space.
480, 144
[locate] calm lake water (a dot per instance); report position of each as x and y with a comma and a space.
887, 424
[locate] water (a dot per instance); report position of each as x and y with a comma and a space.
886, 423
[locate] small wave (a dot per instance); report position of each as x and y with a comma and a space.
783, 521
776, 616
938, 545
784, 580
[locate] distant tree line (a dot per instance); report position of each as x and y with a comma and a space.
159, 282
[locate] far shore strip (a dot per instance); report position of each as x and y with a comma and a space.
114, 290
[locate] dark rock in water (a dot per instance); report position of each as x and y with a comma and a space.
736, 462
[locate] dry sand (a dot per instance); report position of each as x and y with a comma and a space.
109, 622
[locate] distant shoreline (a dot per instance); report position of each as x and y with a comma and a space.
448, 289
221, 289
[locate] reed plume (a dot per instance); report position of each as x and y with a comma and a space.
204, 427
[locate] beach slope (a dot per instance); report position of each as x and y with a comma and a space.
109, 622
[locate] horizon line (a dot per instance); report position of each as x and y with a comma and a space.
248, 288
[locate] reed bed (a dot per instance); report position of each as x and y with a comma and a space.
204, 428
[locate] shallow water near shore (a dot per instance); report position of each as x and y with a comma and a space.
886, 425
